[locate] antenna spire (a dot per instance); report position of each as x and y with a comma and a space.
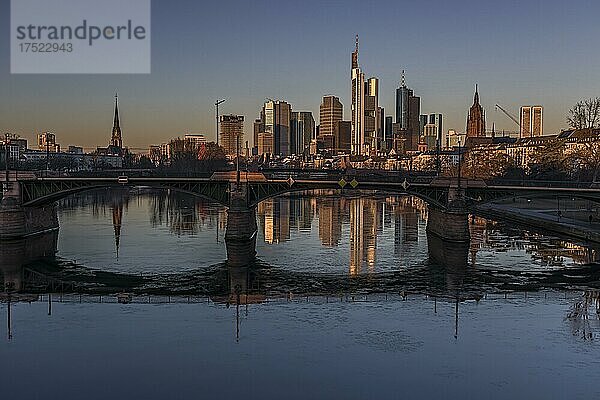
403, 80
355, 55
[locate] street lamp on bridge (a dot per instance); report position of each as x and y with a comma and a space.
459, 161
217, 112
6, 154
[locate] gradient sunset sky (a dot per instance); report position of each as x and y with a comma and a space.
519, 52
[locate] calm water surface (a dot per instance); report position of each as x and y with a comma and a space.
349, 299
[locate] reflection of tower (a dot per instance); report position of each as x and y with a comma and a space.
406, 220
283, 217
330, 226
363, 233
477, 229
307, 214
276, 216
296, 211
370, 232
356, 237
117, 219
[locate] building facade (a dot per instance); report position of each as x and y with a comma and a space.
232, 134
531, 121
366, 120
302, 131
408, 111
47, 142
265, 144
343, 137
276, 116
432, 131
331, 112
372, 116
357, 106
258, 127
196, 139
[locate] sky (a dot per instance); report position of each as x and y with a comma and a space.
518, 52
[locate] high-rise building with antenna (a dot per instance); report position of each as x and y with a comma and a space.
408, 111
365, 121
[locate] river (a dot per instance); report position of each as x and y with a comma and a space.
349, 298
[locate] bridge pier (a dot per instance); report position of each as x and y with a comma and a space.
12, 214
16, 254
240, 234
17, 221
452, 223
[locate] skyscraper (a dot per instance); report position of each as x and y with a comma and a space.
537, 121
277, 122
388, 133
429, 136
342, 137
302, 131
408, 111
433, 131
232, 132
259, 126
531, 121
365, 109
265, 143
476, 118
357, 107
330, 220
372, 114
330, 112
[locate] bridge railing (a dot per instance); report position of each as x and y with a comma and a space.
543, 183
372, 175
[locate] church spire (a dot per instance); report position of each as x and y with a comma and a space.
476, 118
116, 138
116, 120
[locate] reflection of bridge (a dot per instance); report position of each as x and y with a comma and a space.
28, 269
27, 204
29, 266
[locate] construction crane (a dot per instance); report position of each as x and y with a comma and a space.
498, 106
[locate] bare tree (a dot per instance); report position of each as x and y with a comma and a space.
587, 157
585, 114
484, 164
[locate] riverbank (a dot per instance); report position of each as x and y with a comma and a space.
545, 220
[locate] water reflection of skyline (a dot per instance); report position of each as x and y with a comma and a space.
364, 217
358, 222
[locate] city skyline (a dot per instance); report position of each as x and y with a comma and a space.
516, 68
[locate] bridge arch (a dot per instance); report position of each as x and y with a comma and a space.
36, 193
436, 197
